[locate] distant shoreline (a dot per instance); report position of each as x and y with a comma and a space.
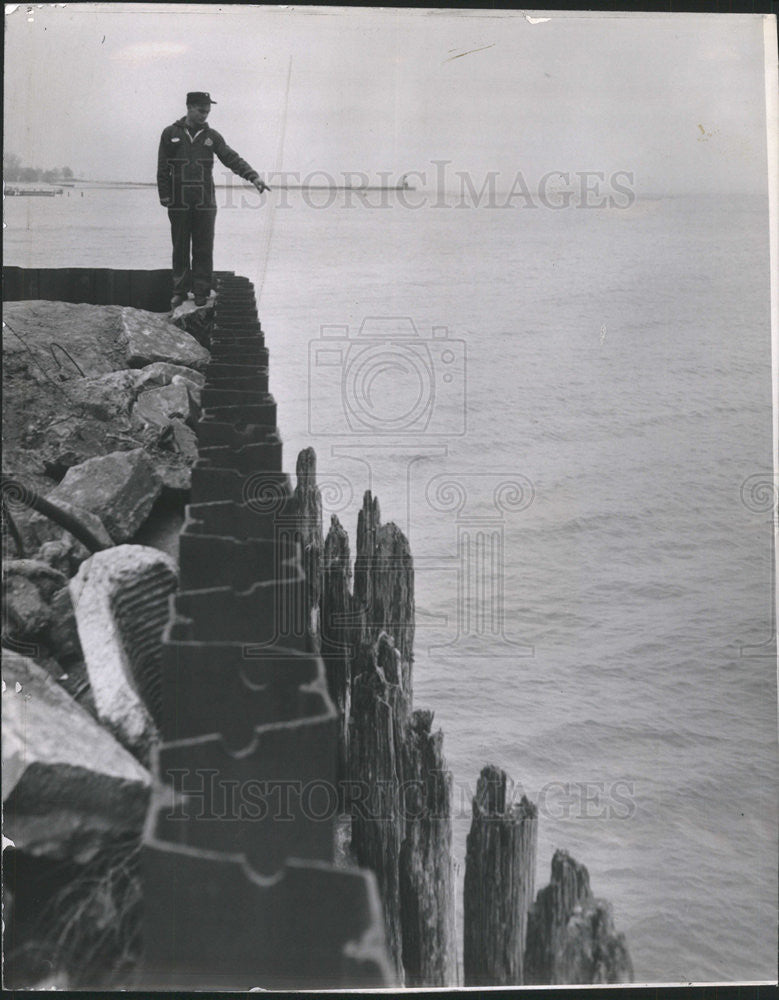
277, 187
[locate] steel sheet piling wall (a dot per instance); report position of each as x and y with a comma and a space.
240, 889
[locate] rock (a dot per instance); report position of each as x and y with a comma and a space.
189, 309
67, 551
120, 598
47, 580
39, 610
65, 341
68, 786
106, 397
184, 439
198, 321
146, 338
120, 488
58, 555
159, 406
28, 587
192, 379
193, 388
175, 478
163, 373
26, 615
50, 421
70, 381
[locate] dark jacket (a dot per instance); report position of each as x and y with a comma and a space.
185, 165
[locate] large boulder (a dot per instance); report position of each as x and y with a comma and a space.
119, 488
68, 341
120, 597
70, 378
145, 338
49, 350
68, 786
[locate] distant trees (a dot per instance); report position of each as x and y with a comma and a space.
15, 170
12, 164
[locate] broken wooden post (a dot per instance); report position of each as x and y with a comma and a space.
368, 520
374, 764
499, 881
336, 633
400, 789
571, 937
308, 504
384, 581
426, 871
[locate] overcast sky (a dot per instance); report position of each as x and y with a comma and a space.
679, 100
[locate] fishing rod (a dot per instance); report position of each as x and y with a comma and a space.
272, 208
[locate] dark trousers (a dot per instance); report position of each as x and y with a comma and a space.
193, 228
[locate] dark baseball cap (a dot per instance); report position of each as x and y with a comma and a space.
199, 97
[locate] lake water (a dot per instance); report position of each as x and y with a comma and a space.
614, 650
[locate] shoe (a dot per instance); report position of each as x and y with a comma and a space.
177, 301
201, 300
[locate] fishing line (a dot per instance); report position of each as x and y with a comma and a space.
272, 207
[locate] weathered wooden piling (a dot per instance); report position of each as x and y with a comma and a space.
426, 870
335, 632
375, 742
308, 505
499, 882
368, 520
384, 581
401, 791
571, 937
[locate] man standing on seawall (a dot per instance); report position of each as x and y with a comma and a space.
185, 184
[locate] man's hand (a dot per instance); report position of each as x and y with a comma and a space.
165, 202
260, 185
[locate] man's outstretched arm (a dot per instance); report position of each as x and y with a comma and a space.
236, 163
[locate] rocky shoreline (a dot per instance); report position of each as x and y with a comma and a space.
99, 408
